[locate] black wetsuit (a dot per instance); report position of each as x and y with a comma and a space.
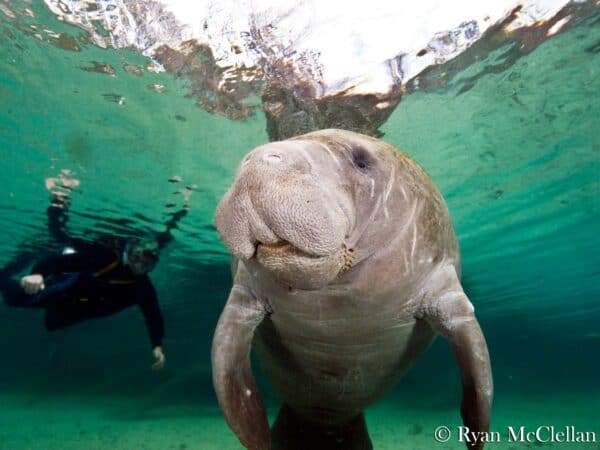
86, 280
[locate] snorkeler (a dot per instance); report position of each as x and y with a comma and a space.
87, 280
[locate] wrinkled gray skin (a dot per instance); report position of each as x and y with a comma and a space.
346, 267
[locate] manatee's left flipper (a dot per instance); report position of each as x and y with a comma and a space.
451, 314
234, 383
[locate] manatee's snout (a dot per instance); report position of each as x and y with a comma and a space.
277, 157
282, 210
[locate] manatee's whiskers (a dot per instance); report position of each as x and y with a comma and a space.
347, 257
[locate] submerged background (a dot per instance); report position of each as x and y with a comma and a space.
514, 149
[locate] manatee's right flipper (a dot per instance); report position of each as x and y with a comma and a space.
234, 383
451, 314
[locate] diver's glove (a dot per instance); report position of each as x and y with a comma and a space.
32, 284
159, 358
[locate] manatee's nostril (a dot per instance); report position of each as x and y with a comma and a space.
272, 158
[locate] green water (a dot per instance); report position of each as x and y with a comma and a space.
516, 156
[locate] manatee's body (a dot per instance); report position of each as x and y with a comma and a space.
347, 268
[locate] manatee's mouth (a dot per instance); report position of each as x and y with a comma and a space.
274, 246
281, 249
297, 268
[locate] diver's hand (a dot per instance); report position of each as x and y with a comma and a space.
159, 358
32, 284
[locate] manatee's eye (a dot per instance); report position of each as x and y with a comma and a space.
361, 158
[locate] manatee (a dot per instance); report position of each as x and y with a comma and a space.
345, 268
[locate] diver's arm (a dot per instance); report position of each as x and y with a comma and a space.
57, 221
74, 259
87, 258
54, 264
166, 237
148, 302
35, 281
